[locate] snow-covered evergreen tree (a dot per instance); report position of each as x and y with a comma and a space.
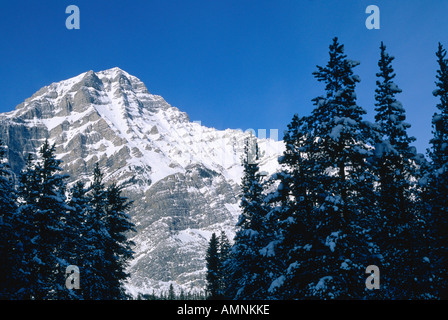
10, 245
107, 249
120, 249
340, 153
437, 191
400, 226
291, 205
247, 267
224, 255
327, 243
78, 236
95, 285
42, 216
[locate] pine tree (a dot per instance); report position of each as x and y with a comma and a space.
333, 190
291, 203
95, 285
437, 189
247, 265
76, 221
119, 251
224, 255
28, 193
78, 237
213, 268
43, 212
10, 246
171, 294
399, 230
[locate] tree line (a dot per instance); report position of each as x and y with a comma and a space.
46, 227
172, 295
349, 194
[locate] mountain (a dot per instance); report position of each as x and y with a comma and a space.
183, 177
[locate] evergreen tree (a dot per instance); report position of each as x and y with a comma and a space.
95, 285
291, 203
224, 247
213, 268
109, 250
10, 246
119, 251
437, 189
76, 221
171, 293
27, 193
247, 265
399, 230
331, 184
78, 237
43, 213
224, 255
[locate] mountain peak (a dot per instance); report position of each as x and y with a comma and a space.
108, 86
182, 177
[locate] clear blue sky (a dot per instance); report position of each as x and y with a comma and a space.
228, 63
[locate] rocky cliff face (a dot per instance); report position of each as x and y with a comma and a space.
183, 177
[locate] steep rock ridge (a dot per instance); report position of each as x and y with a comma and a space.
183, 177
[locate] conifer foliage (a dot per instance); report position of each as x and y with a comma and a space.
248, 275
217, 254
437, 188
399, 232
349, 194
46, 228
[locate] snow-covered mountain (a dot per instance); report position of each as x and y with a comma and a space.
183, 177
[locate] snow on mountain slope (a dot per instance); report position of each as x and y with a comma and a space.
183, 177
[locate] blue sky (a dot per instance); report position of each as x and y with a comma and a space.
229, 64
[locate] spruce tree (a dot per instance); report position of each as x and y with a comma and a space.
43, 213
78, 237
224, 255
28, 193
399, 229
291, 206
119, 251
248, 267
10, 246
171, 293
108, 250
213, 264
95, 285
335, 192
437, 189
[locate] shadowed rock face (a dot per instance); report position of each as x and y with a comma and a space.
183, 177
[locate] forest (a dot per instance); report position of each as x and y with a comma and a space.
349, 194
45, 227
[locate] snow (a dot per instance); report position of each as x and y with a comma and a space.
277, 283
307, 247
393, 87
331, 240
269, 250
217, 150
336, 132
322, 284
345, 265
436, 118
